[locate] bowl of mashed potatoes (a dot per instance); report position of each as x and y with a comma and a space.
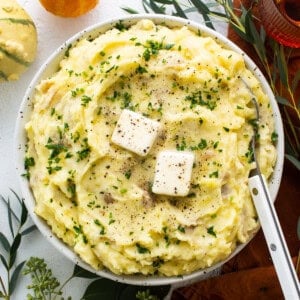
134, 149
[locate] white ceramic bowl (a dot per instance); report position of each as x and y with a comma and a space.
50, 66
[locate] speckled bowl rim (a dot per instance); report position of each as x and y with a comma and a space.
50, 66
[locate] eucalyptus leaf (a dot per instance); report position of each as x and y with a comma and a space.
80, 272
130, 10
16, 243
230, 3
298, 228
24, 214
146, 5
6, 204
14, 249
4, 242
156, 292
17, 196
28, 230
282, 66
4, 262
12, 259
263, 34
157, 9
295, 81
9, 215
14, 277
167, 2
241, 33
204, 11
282, 100
257, 42
179, 11
293, 160
103, 289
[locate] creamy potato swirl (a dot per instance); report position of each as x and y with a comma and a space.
97, 196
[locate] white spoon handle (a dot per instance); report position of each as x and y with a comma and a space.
275, 239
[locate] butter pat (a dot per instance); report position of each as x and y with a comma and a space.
135, 132
173, 173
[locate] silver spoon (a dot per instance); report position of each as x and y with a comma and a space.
270, 224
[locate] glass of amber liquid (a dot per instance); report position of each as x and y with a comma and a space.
281, 20
69, 8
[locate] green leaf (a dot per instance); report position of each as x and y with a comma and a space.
282, 100
167, 2
14, 249
17, 196
295, 81
263, 34
257, 42
282, 66
230, 3
179, 11
24, 214
298, 228
241, 33
14, 277
80, 272
204, 11
9, 215
16, 243
6, 204
4, 262
130, 10
144, 292
293, 160
145, 5
4, 242
28, 230
157, 9
103, 289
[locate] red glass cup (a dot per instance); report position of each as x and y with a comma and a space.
281, 20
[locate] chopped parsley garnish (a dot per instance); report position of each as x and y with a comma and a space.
182, 146
141, 70
111, 219
71, 187
102, 228
84, 152
153, 47
202, 144
181, 228
197, 98
214, 174
85, 100
210, 230
250, 155
141, 249
274, 137
28, 163
120, 26
128, 174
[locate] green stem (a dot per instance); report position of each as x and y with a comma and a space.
39, 280
63, 285
8, 279
294, 133
4, 289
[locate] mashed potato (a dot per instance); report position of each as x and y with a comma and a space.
97, 197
